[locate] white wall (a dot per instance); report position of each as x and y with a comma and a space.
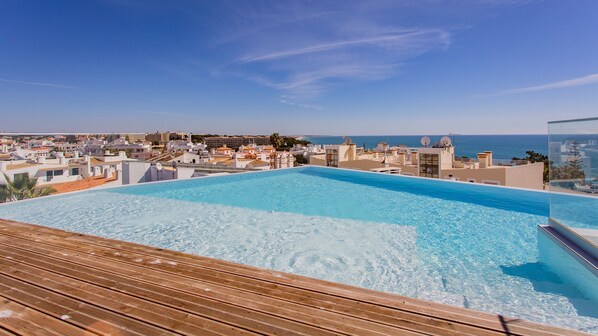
135, 172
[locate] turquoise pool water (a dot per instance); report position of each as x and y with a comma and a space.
467, 245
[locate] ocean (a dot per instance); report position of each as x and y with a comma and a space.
503, 147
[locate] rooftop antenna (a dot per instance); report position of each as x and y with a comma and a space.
425, 141
446, 141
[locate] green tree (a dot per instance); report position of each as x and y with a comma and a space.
20, 188
572, 169
71, 139
300, 159
534, 157
276, 140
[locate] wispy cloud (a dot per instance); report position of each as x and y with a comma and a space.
313, 69
305, 49
60, 86
289, 101
579, 81
406, 38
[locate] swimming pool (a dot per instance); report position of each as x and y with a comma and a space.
456, 243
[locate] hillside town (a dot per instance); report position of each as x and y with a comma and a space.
67, 163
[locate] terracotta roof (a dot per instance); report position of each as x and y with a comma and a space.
81, 184
257, 163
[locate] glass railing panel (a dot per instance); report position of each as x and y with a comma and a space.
573, 156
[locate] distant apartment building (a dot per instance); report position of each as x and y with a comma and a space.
236, 141
69, 148
135, 137
434, 162
186, 146
159, 138
162, 138
134, 150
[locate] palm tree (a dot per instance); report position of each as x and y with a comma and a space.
276, 140
21, 187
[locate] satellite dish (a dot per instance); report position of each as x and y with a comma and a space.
425, 141
159, 166
446, 141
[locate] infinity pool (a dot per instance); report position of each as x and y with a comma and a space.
461, 244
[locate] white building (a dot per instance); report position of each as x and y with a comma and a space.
135, 150
186, 146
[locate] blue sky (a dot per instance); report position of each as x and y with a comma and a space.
297, 67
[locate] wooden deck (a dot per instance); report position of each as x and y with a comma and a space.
54, 282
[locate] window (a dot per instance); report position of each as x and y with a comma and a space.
428, 165
74, 171
58, 172
332, 158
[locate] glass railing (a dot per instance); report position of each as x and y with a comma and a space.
573, 156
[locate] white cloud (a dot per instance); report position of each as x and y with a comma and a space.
37, 84
305, 49
579, 81
289, 101
409, 38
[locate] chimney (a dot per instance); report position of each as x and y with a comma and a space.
61, 158
483, 160
489, 158
401, 159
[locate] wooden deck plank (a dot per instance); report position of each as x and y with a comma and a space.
151, 293
389, 316
429, 309
364, 308
6, 332
306, 315
164, 317
84, 315
116, 282
458, 324
26, 321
